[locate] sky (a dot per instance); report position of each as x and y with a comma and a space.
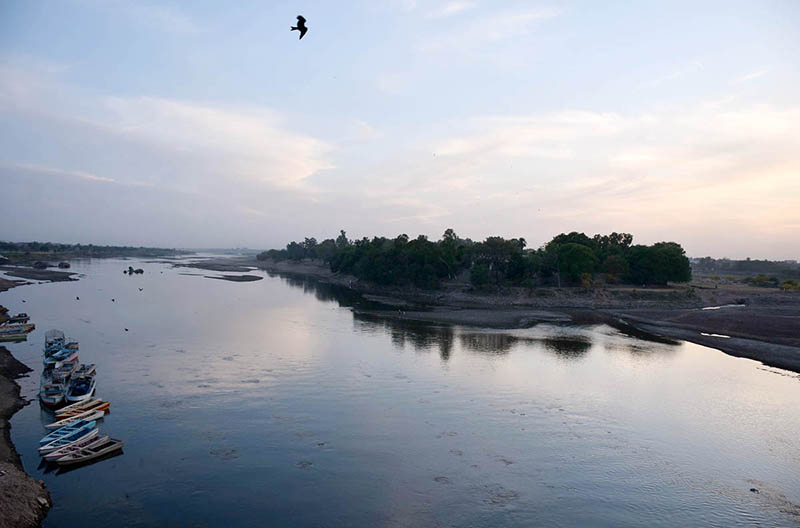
203, 124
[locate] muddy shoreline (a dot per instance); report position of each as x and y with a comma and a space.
24, 501
750, 322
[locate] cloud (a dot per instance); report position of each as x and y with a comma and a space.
484, 30
750, 76
687, 69
450, 9
41, 169
162, 17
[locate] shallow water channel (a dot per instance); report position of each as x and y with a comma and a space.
270, 403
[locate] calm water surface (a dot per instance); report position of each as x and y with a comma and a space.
271, 404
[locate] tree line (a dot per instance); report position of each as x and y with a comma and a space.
568, 259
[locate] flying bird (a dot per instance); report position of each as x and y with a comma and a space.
301, 26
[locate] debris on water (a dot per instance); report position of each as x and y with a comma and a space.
442, 480
126, 329
224, 453
505, 461
112, 300
457, 452
305, 464
500, 495
77, 298
320, 444
754, 490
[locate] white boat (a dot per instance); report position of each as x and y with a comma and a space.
52, 394
80, 388
88, 415
91, 452
75, 446
79, 405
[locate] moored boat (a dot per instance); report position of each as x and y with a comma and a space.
81, 388
65, 354
78, 436
93, 414
66, 369
14, 329
74, 446
53, 341
52, 394
67, 430
91, 452
19, 318
85, 370
91, 404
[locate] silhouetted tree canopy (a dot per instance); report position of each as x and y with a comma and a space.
574, 258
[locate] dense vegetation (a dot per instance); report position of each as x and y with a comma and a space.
573, 258
24, 251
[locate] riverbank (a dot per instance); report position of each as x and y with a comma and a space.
24, 501
740, 320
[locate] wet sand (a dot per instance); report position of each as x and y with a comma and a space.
38, 274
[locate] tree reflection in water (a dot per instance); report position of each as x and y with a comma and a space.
424, 337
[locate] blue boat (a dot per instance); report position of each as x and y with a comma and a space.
74, 438
53, 341
67, 430
64, 354
52, 394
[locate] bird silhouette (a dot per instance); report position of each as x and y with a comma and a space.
112, 300
301, 26
140, 289
77, 298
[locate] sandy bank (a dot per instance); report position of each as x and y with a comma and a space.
38, 274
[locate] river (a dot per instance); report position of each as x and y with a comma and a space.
271, 403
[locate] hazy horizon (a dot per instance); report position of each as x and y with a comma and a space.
202, 125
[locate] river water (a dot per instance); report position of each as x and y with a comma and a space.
271, 403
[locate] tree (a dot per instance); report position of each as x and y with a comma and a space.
479, 275
575, 260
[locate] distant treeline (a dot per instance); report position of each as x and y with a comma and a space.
18, 250
573, 258
748, 266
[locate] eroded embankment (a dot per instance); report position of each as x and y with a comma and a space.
23, 501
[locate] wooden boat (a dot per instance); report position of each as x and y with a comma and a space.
85, 370
66, 369
13, 337
95, 450
65, 354
81, 388
13, 329
67, 430
53, 341
88, 415
19, 318
91, 404
78, 436
52, 394
74, 446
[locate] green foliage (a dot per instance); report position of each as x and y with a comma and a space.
572, 257
762, 281
791, 285
479, 275
576, 259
